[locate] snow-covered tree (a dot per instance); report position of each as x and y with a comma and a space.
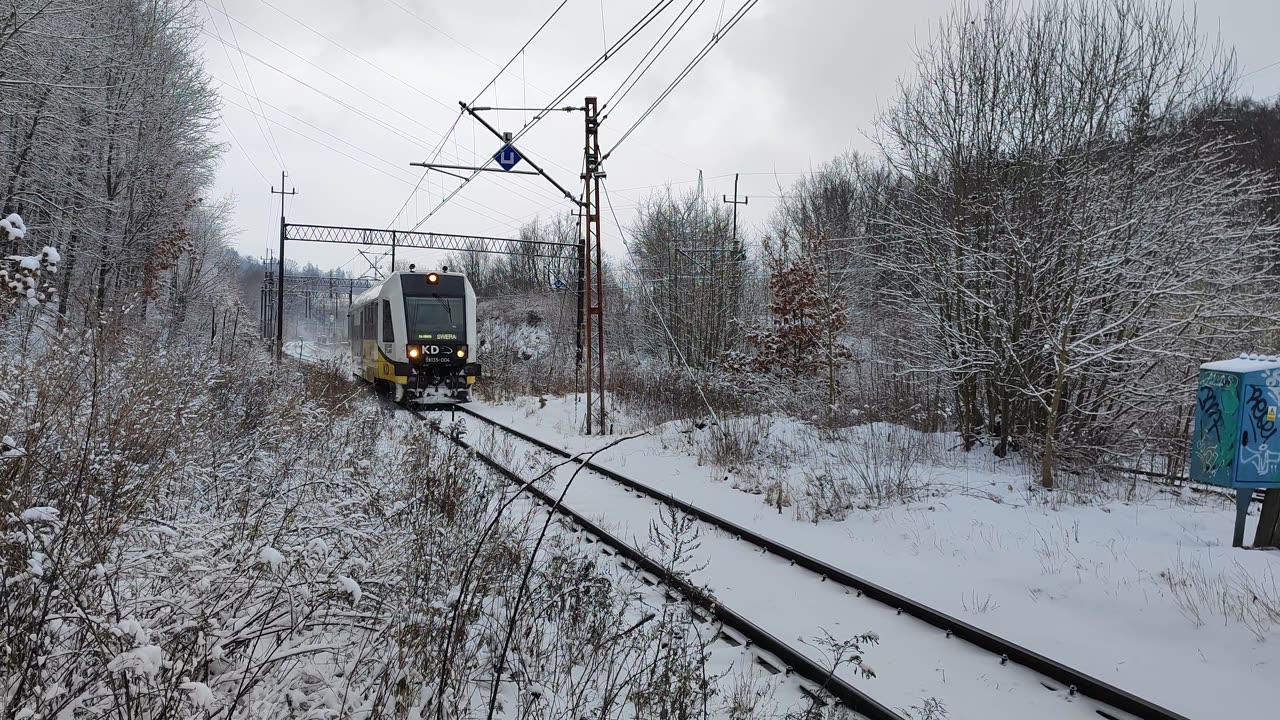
24, 275
108, 118
688, 276
1073, 249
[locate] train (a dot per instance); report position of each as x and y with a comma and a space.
413, 336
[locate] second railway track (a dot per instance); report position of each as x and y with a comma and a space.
1025, 682
819, 679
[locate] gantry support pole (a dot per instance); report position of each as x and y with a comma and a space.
593, 261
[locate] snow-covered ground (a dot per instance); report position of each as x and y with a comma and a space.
1146, 594
315, 351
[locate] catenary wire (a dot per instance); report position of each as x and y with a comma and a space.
728, 27
249, 75
454, 126
636, 72
640, 24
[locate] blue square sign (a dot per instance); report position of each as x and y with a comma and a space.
507, 157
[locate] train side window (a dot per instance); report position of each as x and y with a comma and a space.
388, 333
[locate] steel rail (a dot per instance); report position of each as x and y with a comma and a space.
1074, 680
795, 661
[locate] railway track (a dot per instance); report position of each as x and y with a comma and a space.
1109, 702
782, 658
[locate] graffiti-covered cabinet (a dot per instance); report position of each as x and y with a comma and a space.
1236, 442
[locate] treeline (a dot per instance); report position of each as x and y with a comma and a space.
108, 153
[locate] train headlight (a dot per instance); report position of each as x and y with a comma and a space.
414, 351
462, 352
433, 278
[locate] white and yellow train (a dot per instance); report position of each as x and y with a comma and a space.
414, 336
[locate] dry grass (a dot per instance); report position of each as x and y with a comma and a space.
1233, 595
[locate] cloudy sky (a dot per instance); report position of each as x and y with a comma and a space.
346, 93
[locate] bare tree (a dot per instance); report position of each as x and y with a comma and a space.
692, 271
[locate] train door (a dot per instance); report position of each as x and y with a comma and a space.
353, 337
388, 331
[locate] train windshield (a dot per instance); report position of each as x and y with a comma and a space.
435, 318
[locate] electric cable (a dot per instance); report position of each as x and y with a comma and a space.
454, 126
639, 26
236, 140
236, 73
715, 39
486, 211
249, 75
356, 55
357, 148
620, 93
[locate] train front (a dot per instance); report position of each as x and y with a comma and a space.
440, 322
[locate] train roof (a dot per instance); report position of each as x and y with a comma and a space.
374, 292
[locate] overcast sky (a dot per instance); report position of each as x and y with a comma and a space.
378, 81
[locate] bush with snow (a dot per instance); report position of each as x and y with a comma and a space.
243, 543
22, 275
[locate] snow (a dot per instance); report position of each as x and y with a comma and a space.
130, 627
9, 446
351, 587
271, 556
200, 694
1144, 594
1243, 364
14, 227
145, 660
40, 514
51, 254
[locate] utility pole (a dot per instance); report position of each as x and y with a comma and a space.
735, 202
280, 288
592, 264
735, 253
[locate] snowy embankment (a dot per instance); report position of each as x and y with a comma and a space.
1138, 587
264, 541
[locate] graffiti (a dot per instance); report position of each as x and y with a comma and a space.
1263, 427
1217, 428
1271, 377
1261, 458
1210, 410
1261, 430
1220, 380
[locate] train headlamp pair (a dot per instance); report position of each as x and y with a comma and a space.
415, 351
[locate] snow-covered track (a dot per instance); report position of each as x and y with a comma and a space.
1072, 681
752, 636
